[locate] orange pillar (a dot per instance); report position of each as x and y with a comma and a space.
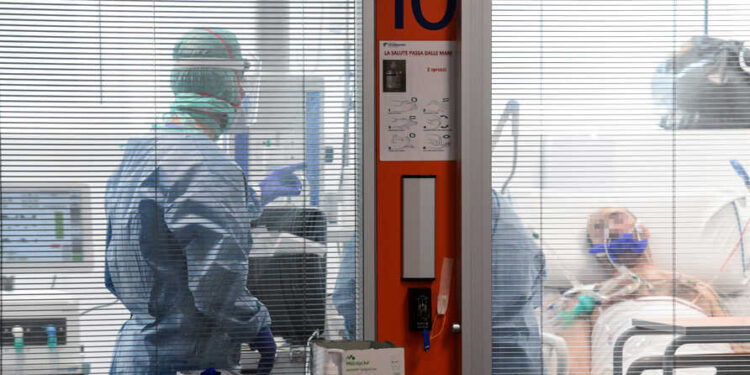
392, 310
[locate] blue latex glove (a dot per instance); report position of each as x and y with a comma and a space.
265, 345
281, 183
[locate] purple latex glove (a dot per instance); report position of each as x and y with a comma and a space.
281, 183
266, 346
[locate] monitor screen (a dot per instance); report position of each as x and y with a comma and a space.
42, 226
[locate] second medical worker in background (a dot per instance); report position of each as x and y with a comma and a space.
178, 225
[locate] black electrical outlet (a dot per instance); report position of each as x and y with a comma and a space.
420, 309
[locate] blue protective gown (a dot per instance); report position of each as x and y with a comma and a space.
517, 271
178, 237
345, 293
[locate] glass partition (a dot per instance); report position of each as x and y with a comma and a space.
619, 145
180, 184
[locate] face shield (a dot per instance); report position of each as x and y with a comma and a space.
247, 112
247, 73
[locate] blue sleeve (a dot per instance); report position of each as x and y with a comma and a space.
206, 211
518, 260
516, 281
344, 294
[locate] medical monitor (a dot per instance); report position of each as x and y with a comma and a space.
45, 228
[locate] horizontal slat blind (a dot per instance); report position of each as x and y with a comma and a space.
638, 105
78, 80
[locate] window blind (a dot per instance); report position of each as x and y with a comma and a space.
620, 191
107, 178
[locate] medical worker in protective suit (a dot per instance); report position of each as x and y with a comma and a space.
517, 273
178, 226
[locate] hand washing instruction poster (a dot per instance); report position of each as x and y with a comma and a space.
416, 100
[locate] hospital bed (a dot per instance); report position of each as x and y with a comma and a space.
684, 331
702, 228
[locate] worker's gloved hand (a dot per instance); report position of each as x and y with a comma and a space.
281, 183
265, 345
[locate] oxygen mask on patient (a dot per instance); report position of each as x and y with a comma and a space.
616, 236
621, 250
618, 248
621, 246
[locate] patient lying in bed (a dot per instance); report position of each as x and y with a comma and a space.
590, 319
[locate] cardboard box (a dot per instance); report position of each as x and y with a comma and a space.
357, 357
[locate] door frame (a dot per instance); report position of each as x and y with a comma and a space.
474, 160
369, 178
